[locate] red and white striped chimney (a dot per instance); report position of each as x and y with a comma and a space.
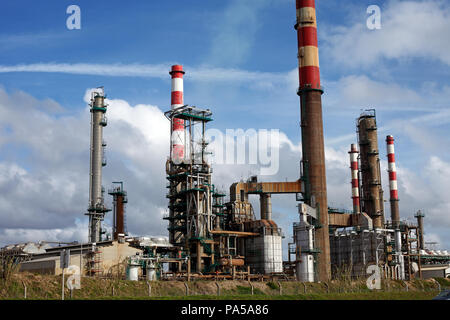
395, 214
308, 51
355, 178
178, 131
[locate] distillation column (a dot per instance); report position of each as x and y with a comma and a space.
355, 178
97, 209
119, 201
313, 151
372, 192
420, 215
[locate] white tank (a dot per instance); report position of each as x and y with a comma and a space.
151, 271
305, 269
304, 235
133, 273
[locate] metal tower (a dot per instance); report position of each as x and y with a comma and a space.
97, 209
119, 200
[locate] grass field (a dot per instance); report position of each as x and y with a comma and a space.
40, 287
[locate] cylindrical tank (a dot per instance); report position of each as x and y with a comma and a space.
133, 271
152, 269
305, 269
304, 240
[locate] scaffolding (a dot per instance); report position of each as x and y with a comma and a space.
94, 262
410, 247
191, 216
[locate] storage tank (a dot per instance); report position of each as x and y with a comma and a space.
152, 268
133, 270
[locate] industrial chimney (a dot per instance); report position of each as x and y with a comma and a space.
395, 213
313, 151
178, 131
97, 209
355, 178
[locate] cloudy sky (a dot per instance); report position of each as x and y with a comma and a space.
240, 58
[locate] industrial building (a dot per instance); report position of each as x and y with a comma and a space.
209, 237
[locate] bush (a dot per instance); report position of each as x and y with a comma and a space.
272, 285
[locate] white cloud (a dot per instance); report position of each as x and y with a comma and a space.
44, 194
204, 73
410, 29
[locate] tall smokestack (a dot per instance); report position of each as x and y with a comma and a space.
177, 100
395, 213
97, 209
313, 151
355, 178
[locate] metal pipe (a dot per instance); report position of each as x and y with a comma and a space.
265, 200
313, 150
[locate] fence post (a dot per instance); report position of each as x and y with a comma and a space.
149, 289
112, 289
328, 288
280, 288
187, 288
439, 285
218, 288
406, 286
24, 290
304, 287
251, 286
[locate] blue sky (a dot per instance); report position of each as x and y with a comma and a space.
241, 60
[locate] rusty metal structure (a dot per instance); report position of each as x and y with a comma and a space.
120, 198
213, 238
419, 216
198, 224
310, 91
371, 190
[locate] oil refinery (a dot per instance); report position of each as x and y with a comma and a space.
210, 236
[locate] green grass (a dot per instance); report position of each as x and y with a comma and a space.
41, 287
331, 296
